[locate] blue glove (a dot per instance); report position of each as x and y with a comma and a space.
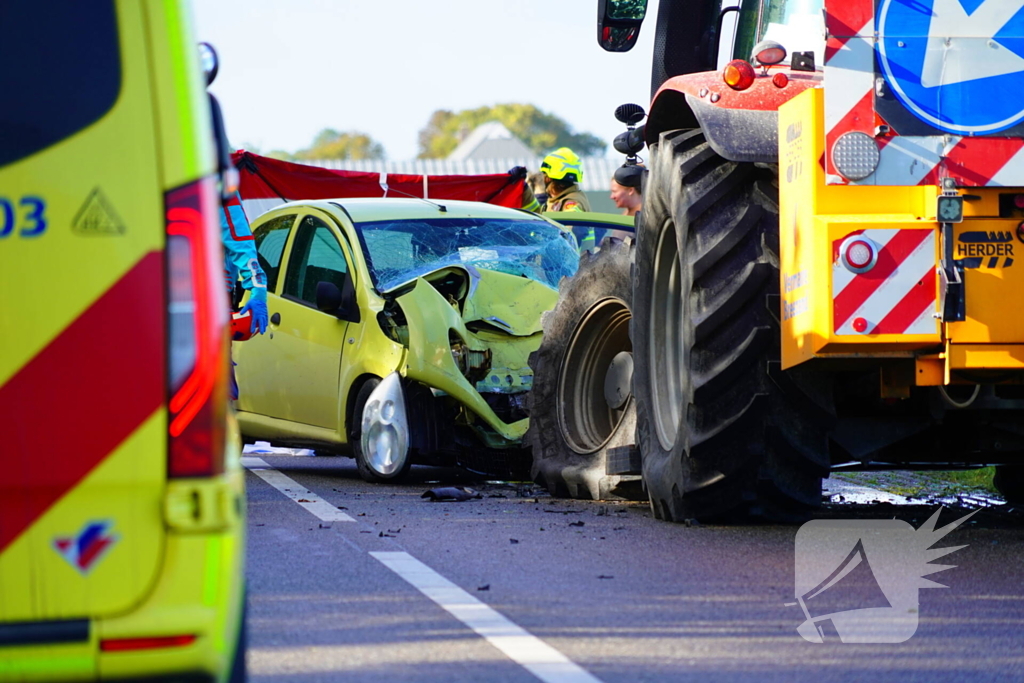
257, 305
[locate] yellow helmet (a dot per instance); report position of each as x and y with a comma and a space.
562, 164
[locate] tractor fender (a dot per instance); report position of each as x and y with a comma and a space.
739, 125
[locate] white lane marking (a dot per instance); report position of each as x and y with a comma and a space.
539, 658
304, 497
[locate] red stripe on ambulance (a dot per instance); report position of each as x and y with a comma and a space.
60, 403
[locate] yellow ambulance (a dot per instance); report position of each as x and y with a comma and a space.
121, 498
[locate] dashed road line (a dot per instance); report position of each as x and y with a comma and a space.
518, 644
539, 658
297, 492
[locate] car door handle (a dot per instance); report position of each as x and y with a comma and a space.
275, 319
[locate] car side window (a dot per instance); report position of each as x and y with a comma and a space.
270, 240
316, 257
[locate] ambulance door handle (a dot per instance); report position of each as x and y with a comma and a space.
275, 319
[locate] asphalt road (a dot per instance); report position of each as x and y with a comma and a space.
517, 586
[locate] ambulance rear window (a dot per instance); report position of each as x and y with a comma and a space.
60, 71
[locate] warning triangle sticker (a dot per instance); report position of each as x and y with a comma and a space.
97, 217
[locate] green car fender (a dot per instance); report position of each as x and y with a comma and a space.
432, 319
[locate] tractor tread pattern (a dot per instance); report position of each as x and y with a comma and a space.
556, 466
748, 444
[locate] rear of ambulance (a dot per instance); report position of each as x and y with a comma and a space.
121, 497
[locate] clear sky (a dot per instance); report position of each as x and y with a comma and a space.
291, 68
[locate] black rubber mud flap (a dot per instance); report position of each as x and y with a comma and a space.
1009, 481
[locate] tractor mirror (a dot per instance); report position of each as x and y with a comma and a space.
618, 23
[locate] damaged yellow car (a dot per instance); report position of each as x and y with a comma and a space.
400, 331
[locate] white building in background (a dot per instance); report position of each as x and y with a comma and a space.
491, 140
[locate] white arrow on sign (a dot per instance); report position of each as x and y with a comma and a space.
961, 47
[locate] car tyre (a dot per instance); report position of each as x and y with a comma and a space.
366, 471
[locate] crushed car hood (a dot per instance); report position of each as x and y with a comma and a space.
510, 303
507, 303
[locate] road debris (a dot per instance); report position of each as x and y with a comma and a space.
451, 493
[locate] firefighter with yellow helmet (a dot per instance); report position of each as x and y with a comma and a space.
563, 174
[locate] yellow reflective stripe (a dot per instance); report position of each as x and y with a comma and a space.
214, 561
533, 206
220, 551
182, 91
47, 665
589, 241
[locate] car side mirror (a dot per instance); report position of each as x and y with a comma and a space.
339, 302
618, 23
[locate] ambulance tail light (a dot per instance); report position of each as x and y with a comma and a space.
134, 644
196, 332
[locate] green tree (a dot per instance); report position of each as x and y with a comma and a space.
332, 144
542, 132
279, 154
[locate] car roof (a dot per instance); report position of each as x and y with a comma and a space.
364, 209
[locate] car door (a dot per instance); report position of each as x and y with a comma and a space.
308, 343
256, 373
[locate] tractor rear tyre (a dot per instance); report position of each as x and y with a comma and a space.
723, 432
581, 407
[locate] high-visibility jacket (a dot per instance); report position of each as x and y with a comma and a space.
572, 199
239, 248
530, 202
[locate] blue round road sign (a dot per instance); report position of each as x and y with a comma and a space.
956, 64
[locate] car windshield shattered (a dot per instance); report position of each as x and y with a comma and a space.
400, 250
